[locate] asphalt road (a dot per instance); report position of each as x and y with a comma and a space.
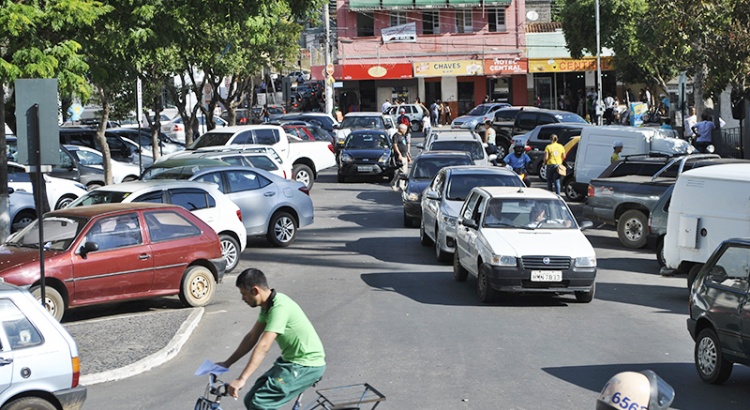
390, 315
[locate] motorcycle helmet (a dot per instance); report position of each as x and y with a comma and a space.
518, 150
641, 390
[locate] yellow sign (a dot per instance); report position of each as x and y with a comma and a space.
448, 68
561, 65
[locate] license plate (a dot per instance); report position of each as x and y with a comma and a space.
546, 276
364, 168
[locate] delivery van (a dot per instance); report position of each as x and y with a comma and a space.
596, 147
709, 205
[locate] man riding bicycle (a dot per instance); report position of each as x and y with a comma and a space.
302, 360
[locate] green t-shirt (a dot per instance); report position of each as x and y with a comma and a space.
297, 338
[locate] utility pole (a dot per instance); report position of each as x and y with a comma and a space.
598, 109
329, 75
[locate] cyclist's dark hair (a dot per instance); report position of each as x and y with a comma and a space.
251, 277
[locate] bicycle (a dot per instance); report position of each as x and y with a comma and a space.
350, 397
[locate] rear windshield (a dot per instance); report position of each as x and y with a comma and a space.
480, 110
472, 147
460, 185
101, 197
211, 139
363, 122
570, 118
428, 168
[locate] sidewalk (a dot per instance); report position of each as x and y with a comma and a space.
123, 346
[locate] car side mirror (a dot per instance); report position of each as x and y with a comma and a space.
88, 247
11, 190
469, 223
432, 195
585, 224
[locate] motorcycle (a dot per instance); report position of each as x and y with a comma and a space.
523, 174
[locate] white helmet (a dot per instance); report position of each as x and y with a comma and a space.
636, 390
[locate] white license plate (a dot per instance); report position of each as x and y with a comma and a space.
364, 168
546, 276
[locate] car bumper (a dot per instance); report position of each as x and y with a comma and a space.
352, 170
71, 399
691, 325
221, 266
448, 238
597, 214
652, 239
519, 280
413, 209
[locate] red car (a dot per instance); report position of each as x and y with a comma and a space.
104, 253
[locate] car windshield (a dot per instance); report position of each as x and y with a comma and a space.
275, 110
428, 168
570, 117
59, 233
211, 139
459, 185
480, 110
170, 173
100, 197
366, 141
363, 122
472, 147
522, 213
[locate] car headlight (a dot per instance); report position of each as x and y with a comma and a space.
411, 196
471, 123
503, 260
384, 158
585, 262
450, 220
346, 158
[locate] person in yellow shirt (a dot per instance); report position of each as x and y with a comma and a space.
554, 155
617, 147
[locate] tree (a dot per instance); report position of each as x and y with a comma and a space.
36, 41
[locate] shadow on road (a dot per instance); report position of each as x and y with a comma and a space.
668, 299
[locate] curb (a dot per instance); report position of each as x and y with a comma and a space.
147, 363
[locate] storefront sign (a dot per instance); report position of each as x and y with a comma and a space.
506, 66
448, 68
319, 72
560, 65
405, 33
376, 71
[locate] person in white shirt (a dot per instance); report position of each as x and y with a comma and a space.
426, 125
386, 105
689, 123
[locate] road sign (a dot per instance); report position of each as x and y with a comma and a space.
329, 69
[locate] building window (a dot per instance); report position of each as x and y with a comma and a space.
496, 19
464, 21
365, 25
431, 22
398, 18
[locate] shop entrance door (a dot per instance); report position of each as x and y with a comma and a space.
543, 92
465, 98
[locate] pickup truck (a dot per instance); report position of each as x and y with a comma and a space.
626, 201
308, 158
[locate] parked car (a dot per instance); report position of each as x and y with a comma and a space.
106, 253
11, 146
718, 311
43, 364
22, 209
421, 172
306, 131
322, 120
242, 116
274, 111
257, 156
262, 134
415, 112
175, 129
181, 165
457, 140
657, 225
363, 120
525, 119
203, 200
60, 192
86, 158
366, 153
478, 116
522, 241
295, 75
443, 198
142, 136
118, 149
270, 205
569, 186
538, 139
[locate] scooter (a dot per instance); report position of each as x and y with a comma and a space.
523, 174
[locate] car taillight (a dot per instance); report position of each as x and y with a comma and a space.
330, 147
650, 220
591, 191
76, 361
239, 214
305, 190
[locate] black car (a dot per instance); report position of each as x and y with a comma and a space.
118, 149
718, 311
421, 172
366, 153
321, 120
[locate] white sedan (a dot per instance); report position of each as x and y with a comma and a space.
60, 192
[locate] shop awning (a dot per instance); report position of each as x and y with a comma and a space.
364, 4
465, 3
488, 3
398, 3
430, 3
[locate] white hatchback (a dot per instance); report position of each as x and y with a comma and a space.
201, 198
60, 191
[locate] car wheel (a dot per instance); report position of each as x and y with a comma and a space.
712, 367
660, 253
93, 185
22, 219
198, 286
230, 250
442, 256
408, 222
459, 272
303, 173
631, 229
53, 300
542, 171
282, 230
423, 238
502, 150
692, 274
570, 191
484, 290
586, 297
341, 179
415, 126
65, 201
29, 403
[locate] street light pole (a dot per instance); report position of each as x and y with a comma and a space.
328, 77
598, 108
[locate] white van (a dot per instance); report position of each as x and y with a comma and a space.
708, 206
596, 147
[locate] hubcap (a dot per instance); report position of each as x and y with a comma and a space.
199, 288
303, 177
633, 229
229, 252
707, 356
284, 229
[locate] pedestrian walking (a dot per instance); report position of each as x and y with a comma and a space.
554, 155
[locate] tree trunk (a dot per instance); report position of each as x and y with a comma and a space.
102, 139
4, 197
698, 88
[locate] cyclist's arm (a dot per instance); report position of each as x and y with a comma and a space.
247, 343
259, 353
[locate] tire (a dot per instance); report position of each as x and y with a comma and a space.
341, 178
660, 253
230, 250
586, 297
542, 171
423, 238
65, 201
502, 150
29, 403
692, 274
415, 126
198, 286
22, 219
282, 230
459, 272
631, 229
710, 363
303, 173
442, 256
54, 301
484, 290
570, 192
408, 222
